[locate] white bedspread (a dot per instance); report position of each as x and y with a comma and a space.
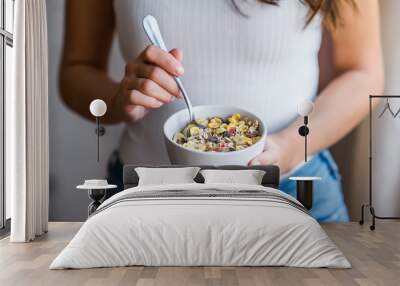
182, 231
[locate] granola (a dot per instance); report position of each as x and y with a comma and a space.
217, 134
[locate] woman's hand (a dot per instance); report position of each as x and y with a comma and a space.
148, 83
279, 151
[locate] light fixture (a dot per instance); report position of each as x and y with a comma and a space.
98, 108
305, 185
305, 108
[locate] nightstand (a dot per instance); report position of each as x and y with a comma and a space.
96, 191
305, 188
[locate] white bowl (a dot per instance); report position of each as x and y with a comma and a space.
184, 156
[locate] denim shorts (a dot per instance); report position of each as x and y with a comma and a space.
328, 202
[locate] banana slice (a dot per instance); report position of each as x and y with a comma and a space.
214, 124
194, 131
201, 122
236, 117
247, 140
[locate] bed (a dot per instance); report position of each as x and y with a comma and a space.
198, 224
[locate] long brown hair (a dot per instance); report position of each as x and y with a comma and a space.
330, 9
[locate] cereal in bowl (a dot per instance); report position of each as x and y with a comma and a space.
217, 134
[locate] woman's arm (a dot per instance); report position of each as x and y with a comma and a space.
344, 102
148, 82
89, 29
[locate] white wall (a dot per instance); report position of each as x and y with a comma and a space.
72, 139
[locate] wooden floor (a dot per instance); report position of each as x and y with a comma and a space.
375, 257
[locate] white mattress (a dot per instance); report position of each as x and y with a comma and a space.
189, 231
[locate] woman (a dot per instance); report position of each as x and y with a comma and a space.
259, 55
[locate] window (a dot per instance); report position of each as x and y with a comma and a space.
6, 66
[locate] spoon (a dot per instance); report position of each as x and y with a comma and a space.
152, 30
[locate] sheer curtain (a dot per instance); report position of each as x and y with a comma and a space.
27, 124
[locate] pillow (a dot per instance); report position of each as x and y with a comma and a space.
248, 177
163, 176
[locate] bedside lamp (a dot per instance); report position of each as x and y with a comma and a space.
304, 109
98, 108
305, 185
96, 188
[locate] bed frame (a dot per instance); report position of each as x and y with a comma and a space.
270, 179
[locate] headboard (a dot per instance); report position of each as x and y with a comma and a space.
270, 179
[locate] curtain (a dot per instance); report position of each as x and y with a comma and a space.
27, 124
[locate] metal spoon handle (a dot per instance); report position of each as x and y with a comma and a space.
152, 30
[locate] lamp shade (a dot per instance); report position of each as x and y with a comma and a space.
98, 108
305, 107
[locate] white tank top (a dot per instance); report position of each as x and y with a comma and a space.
265, 63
